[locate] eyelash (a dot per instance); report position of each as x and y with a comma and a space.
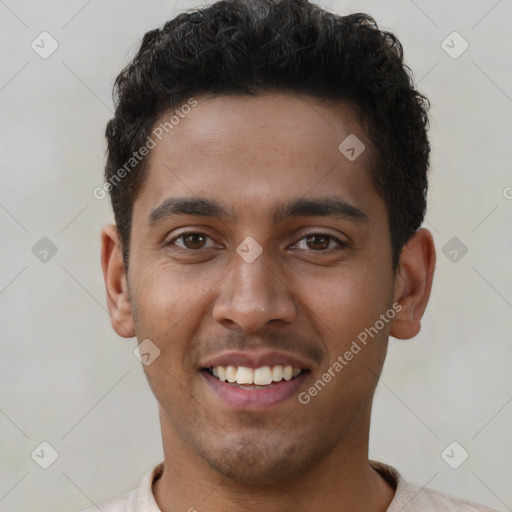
341, 244
188, 233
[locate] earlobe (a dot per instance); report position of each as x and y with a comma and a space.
118, 297
413, 284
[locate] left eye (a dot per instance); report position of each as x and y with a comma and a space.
318, 242
192, 241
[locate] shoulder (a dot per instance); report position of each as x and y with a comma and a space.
412, 498
120, 504
139, 499
430, 500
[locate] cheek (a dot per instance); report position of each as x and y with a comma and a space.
345, 304
162, 304
171, 306
345, 313
166, 294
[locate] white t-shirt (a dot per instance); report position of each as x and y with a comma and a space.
408, 497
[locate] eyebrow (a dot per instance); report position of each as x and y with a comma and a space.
333, 207
173, 206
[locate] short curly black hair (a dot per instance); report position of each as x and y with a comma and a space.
253, 47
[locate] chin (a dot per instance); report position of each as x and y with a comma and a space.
249, 463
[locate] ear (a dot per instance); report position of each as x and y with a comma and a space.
118, 297
413, 283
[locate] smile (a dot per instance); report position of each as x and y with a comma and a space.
250, 396
254, 378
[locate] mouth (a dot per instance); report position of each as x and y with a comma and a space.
254, 381
263, 377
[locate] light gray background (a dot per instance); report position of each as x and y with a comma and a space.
67, 379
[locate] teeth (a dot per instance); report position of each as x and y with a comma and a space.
255, 376
231, 373
244, 375
263, 376
277, 373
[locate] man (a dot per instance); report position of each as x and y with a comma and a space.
267, 165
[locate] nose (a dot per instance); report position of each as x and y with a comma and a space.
253, 295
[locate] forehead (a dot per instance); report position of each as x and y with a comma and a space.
250, 151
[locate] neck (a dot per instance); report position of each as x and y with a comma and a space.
342, 481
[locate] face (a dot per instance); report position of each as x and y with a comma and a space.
256, 243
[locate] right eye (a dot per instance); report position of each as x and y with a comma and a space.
192, 241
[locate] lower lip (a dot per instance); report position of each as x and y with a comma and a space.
254, 399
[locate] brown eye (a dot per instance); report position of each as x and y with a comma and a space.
194, 240
193, 244
318, 242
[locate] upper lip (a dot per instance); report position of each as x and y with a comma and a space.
255, 360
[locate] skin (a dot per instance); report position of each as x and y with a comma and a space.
310, 298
